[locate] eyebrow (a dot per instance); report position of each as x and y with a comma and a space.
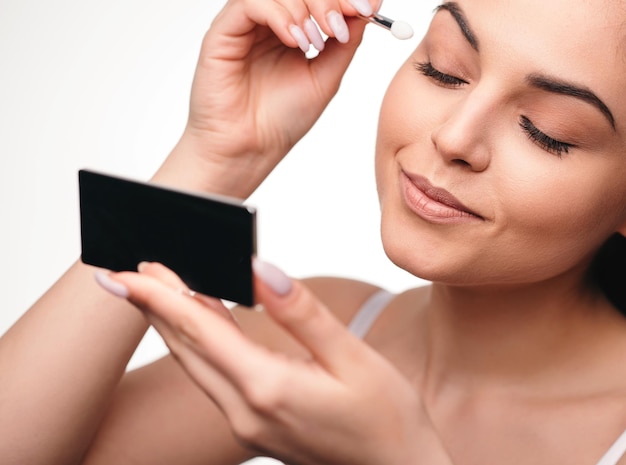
538, 81
455, 10
558, 86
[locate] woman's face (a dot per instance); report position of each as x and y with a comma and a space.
501, 147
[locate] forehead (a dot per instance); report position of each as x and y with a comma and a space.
576, 40
568, 25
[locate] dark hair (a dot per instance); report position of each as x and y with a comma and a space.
608, 270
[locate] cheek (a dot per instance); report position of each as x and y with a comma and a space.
561, 194
410, 101
403, 119
553, 213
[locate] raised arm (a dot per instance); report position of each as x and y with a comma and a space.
255, 94
60, 363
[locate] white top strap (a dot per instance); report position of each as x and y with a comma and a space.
369, 311
616, 451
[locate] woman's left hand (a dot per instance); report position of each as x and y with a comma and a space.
345, 404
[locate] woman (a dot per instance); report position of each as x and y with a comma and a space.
500, 173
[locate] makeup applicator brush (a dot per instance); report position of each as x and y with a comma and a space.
399, 29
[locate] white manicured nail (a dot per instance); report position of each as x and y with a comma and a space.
338, 26
362, 6
273, 277
115, 288
300, 37
314, 35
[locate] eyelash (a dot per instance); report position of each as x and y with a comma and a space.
428, 70
544, 141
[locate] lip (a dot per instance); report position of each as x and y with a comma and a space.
434, 204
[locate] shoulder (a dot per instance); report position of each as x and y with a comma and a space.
344, 297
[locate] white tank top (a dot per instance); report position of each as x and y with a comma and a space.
365, 317
615, 452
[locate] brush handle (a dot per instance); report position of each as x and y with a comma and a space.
379, 20
399, 29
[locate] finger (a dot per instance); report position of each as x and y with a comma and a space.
163, 274
295, 308
303, 29
247, 397
331, 15
239, 18
328, 68
211, 381
326, 14
220, 342
171, 279
217, 306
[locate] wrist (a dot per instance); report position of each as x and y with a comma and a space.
191, 166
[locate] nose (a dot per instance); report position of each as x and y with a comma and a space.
462, 136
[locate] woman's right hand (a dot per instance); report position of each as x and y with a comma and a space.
255, 93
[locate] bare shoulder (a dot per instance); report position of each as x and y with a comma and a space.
342, 296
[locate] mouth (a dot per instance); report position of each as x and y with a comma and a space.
434, 204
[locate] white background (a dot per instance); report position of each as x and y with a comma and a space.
105, 85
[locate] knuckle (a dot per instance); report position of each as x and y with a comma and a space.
149, 299
305, 311
263, 397
266, 395
298, 315
139, 297
187, 326
248, 431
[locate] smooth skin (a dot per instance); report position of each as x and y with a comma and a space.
508, 357
76, 337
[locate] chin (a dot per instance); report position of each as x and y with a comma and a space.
453, 259
425, 259
422, 267
446, 253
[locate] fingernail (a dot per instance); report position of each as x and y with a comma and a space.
363, 7
272, 276
142, 266
300, 37
314, 35
338, 26
115, 288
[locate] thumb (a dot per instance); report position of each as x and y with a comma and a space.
292, 305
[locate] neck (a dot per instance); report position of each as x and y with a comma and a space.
510, 336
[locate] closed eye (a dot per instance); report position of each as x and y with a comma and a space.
446, 80
544, 141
